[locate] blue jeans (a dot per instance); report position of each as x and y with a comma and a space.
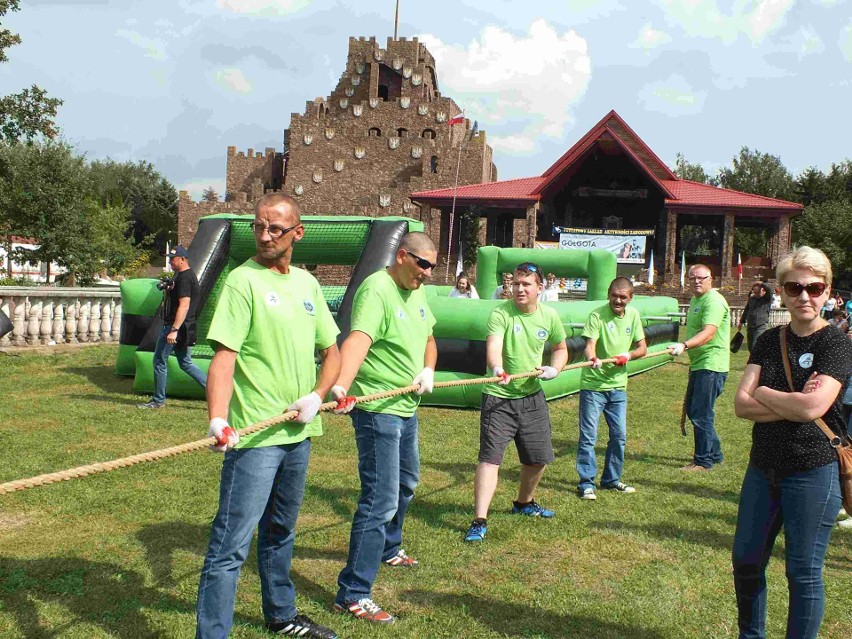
613, 404
263, 488
806, 504
161, 357
701, 393
389, 468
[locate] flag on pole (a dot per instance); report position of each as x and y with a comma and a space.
651, 268
682, 269
474, 131
166, 267
739, 267
456, 119
460, 260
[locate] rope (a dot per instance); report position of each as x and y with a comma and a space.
154, 455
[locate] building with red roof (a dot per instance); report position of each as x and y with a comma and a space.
610, 180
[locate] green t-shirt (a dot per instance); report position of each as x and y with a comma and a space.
524, 336
614, 335
275, 323
715, 355
399, 322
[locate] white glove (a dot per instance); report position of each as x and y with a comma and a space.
426, 378
499, 372
308, 407
596, 363
224, 434
677, 349
345, 403
547, 372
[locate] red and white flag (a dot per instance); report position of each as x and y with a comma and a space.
739, 267
456, 119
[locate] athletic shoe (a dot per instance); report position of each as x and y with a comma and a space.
402, 560
692, 467
476, 532
365, 609
532, 509
301, 626
846, 523
588, 494
620, 487
151, 404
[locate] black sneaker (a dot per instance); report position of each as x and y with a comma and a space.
301, 626
151, 404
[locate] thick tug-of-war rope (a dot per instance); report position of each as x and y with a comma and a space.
154, 455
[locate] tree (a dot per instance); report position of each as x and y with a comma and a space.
758, 173
29, 114
209, 195
828, 227
687, 171
469, 232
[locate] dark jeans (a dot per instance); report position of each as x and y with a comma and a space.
161, 368
701, 393
753, 333
389, 468
806, 504
263, 488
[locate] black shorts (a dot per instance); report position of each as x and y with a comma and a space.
525, 420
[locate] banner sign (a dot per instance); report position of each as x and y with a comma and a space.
557, 230
628, 246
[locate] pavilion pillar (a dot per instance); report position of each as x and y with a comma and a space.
779, 239
671, 246
727, 246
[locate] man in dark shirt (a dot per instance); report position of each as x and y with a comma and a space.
756, 313
180, 303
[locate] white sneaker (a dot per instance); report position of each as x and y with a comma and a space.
588, 494
846, 523
842, 513
620, 487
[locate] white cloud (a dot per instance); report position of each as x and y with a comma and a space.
846, 42
233, 79
197, 187
155, 49
650, 38
809, 41
513, 144
264, 7
673, 96
526, 82
703, 18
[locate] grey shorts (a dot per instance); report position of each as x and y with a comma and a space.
525, 420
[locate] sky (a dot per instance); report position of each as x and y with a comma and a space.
175, 82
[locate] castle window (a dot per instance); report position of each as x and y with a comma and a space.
428, 134
390, 83
403, 133
433, 164
374, 132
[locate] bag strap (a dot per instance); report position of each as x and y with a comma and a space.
833, 439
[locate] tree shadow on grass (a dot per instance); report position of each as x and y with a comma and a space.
695, 490
514, 620
103, 377
688, 533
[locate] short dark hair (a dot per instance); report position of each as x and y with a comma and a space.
530, 267
620, 282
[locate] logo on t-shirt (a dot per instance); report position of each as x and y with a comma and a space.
517, 328
272, 299
400, 313
611, 326
422, 313
697, 309
627, 330
542, 334
309, 307
806, 360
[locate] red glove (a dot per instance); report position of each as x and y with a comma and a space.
621, 360
503, 375
345, 403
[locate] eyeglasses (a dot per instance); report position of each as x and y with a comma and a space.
274, 230
814, 289
421, 262
697, 279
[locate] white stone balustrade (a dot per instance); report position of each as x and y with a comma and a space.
47, 316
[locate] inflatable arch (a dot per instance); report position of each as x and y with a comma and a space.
223, 242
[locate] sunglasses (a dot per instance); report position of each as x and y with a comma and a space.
814, 289
421, 262
274, 231
697, 279
529, 267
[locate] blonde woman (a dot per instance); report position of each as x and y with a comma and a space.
792, 477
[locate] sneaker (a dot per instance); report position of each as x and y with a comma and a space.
301, 626
846, 523
365, 609
693, 467
620, 487
402, 560
588, 494
532, 509
476, 532
151, 404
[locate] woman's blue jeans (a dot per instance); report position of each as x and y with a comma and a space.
389, 467
263, 488
805, 504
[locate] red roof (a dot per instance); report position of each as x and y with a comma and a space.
689, 193
520, 190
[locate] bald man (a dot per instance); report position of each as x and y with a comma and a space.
708, 335
390, 346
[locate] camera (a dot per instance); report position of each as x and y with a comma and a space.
166, 283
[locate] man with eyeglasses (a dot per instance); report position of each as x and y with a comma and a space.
390, 346
708, 333
270, 320
516, 410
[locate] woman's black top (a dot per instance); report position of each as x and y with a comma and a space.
786, 446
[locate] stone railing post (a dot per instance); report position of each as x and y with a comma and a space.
71, 321
19, 322
83, 321
6, 307
46, 325
95, 321
58, 336
116, 319
34, 322
106, 320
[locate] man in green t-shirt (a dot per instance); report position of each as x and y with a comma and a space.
390, 346
610, 331
516, 409
708, 336
269, 321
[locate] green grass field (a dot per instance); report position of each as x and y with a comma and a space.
119, 554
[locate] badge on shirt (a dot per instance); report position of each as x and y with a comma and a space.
697, 309
611, 326
272, 299
806, 360
423, 313
517, 328
627, 330
400, 313
309, 307
542, 334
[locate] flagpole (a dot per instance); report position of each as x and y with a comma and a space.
453, 210
396, 20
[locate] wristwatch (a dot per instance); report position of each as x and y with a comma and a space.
685, 347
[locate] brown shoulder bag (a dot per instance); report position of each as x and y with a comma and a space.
843, 445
